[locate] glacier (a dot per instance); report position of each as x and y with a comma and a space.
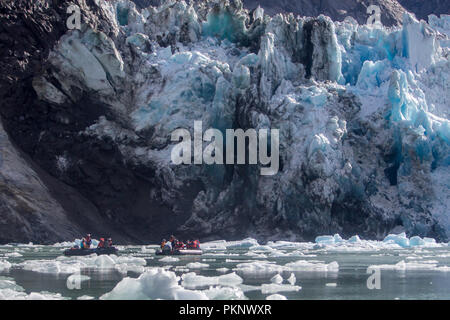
363, 114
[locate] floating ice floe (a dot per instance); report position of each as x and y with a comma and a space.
241, 244
214, 245
392, 241
274, 288
403, 241
258, 267
169, 259
9, 290
276, 297
4, 265
144, 249
197, 265
85, 297
161, 284
412, 265
14, 254
331, 284
152, 284
303, 265
193, 281
77, 278
224, 293
292, 279
70, 265
277, 279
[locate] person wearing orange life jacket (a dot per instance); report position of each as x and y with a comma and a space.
88, 241
101, 244
193, 244
178, 245
196, 244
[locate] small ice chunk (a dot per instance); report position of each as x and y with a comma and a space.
276, 296
192, 280
258, 267
303, 265
197, 265
144, 249
246, 243
4, 265
77, 278
277, 279
169, 259
325, 239
399, 239
416, 241
292, 279
224, 293
354, 239
274, 288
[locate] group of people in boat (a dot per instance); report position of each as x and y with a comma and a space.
86, 242
174, 244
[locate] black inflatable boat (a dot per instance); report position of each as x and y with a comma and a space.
86, 252
182, 252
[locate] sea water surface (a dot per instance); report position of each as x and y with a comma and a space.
331, 268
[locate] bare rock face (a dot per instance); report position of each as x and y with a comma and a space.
364, 138
422, 9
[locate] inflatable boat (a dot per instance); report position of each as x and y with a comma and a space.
183, 252
86, 252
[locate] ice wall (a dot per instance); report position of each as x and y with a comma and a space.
362, 111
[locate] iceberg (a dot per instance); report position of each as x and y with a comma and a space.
274, 288
276, 297
192, 280
151, 285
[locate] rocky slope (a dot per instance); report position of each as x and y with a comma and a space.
422, 9
391, 10
362, 113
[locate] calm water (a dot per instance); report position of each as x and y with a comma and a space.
428, 280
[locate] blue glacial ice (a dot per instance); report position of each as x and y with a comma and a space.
363, 112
